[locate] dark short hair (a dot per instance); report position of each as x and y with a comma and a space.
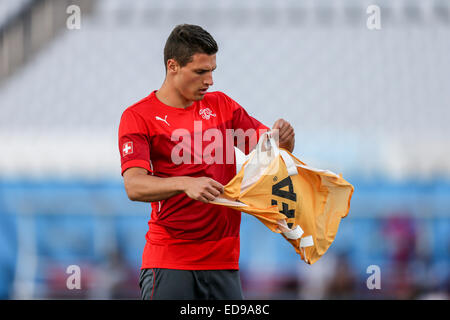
185, 40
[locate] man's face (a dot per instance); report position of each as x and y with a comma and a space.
195, 78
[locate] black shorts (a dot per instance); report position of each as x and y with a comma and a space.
172, 284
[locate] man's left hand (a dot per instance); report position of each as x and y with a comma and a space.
286, 134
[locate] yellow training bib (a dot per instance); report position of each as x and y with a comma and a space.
303, 204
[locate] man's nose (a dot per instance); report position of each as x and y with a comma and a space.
208, 80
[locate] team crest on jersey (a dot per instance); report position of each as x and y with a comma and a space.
127, 148
206, 113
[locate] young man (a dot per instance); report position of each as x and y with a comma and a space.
192, 248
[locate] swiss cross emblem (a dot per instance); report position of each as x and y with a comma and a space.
127, 148
206, 113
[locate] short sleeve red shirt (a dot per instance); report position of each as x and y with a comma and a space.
195, 141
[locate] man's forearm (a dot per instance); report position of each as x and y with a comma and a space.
147, 188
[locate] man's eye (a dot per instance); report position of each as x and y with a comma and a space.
200, 72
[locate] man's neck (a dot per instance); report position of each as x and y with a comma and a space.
170, 96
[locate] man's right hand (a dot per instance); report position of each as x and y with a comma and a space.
203, 189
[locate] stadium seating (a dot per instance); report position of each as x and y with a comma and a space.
374, 101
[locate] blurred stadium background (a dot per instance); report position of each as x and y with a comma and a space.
371, 104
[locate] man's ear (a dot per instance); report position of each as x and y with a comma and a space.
172, 66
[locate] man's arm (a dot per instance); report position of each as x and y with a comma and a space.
242, 120
146, 188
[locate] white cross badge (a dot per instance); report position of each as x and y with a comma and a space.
127, 148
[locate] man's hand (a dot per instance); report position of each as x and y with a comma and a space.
203, 189
286, 134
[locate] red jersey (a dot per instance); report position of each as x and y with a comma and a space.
194, 141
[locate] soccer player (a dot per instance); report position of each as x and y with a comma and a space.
174, 154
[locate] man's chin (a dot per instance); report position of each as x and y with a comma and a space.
199, 96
